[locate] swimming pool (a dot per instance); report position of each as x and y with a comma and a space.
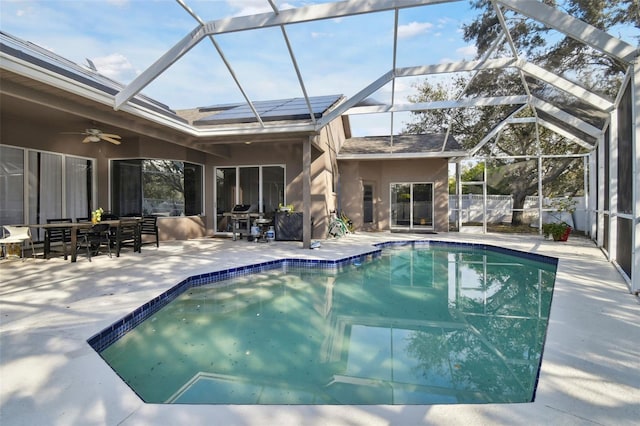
422, 323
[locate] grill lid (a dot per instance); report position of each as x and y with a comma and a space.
241, 208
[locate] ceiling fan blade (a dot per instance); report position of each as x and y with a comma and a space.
111, 135
91, 138
108, 138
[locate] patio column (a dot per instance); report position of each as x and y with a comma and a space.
459, 194
612, 244
306, 193
600, 190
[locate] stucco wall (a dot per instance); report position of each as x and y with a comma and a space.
44, 136
180, 228
49, 136
326, 178
381, 173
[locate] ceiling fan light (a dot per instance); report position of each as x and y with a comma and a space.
91, 138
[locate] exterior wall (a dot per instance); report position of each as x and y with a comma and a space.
181, 227
30, 133
325, 178
381, 173
262, 153
42, 131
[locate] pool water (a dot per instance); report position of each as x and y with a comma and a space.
417, 325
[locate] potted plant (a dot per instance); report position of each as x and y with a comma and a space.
559, 231
96, 215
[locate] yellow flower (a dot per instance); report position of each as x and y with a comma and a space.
96, 215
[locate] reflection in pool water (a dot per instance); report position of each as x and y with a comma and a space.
417, 325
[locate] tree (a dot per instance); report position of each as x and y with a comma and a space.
163, 182
473, 173
515, 167
515, 176
566, 53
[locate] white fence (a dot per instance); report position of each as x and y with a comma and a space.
500, 210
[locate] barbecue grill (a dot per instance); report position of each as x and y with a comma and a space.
241, 219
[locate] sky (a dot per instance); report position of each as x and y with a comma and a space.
335, 56
338, 56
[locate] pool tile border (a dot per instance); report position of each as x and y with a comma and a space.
103, 339
523, 254
106, 337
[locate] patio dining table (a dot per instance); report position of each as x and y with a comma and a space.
73, 228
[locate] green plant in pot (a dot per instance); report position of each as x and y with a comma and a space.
559, 231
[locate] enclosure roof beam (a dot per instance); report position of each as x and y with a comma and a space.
462, 66
625, 81
425, 106
486, 56
527, 67
566, 85
294, 61
355, 99
574, 28
312, 13
522, 120
226, 62
566, 117
262, 20
159, 66
512, 46
562, 132
497, 129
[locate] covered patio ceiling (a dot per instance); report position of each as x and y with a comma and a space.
373, 52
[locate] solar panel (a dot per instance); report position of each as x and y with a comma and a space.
273, 110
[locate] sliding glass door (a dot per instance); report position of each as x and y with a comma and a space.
411, 205
37, 185
261, 187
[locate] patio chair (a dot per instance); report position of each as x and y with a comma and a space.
149, 226
57, 235
112, 230
128, 233
109, 216
16, 235
92, 238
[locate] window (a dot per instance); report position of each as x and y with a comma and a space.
37, 185
11, 185
158, 187
367, 203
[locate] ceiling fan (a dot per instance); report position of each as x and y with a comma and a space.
96, 135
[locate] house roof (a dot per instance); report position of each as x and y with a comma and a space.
430, 145
37, 56
290, 109
205, 126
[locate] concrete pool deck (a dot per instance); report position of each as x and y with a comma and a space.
49, 375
